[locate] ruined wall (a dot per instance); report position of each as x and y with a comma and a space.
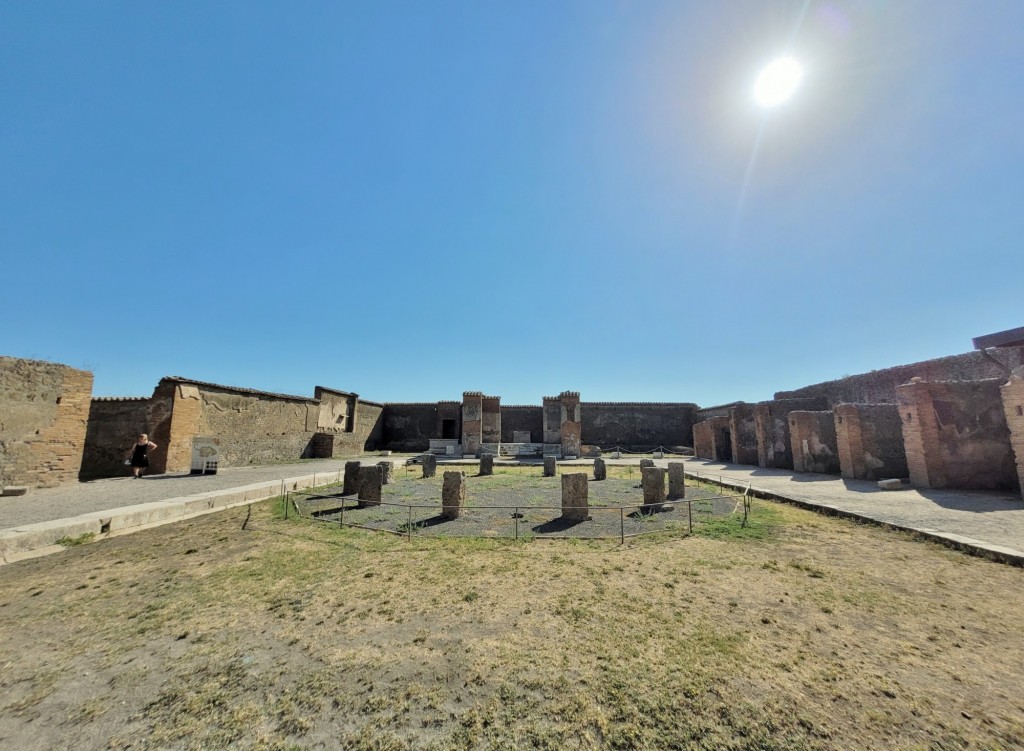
409, 427
114, 425
771, 425
704, 440
572, 427
869, 439
879, 387
551, 415
813, 442
490, 424
520, 418
714, 439
956, 435
742, 429
367, 433
637, 425
1013, 407
472, 422
44, 408
722, 410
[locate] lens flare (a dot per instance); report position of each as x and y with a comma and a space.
777, 82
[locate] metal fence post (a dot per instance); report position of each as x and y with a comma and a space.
689, 515
341, 522
286, 505
622, 526
516, 517
410, 523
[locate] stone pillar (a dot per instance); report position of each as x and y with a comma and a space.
574, 497
654, 488
486, 464
1013, 405
676, 481
742, 434
387, 472
869, 441
813, 441
490, 419
552, 415
429, 465
600, 471
920, 435
351, 486
646, 463
472, 422
550, 466
453, 495
571, 426
703, 440
370, 484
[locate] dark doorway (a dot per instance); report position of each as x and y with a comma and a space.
449, 429
725, 445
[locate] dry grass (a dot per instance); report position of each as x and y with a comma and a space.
801, 633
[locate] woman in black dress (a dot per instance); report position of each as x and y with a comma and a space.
139, 458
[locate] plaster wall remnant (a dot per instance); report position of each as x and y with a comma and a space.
550, 466
774, 449
472, 422
487, 464
600, 471
491, 419
813, 439
351, 483
676, 481
574, 497
371, 481
743, 434
1012, 393
453, 495
429, 465
44, 410
653, 483
869, 441
956, 435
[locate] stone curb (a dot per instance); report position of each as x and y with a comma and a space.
40, 538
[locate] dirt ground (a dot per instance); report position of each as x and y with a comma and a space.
799, 632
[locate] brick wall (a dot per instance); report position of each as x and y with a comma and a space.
879, 387
637, 425
1013, 407
704, 440
44, 408
743, 433
409, 427
869, 439
771, 424
813, 442
114, 425
522, 418
956, 435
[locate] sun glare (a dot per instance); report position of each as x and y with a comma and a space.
777, 82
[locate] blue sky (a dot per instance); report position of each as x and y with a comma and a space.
409, 200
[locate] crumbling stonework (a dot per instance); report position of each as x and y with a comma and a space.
44, 409
653, 483
472, 422
351, 483
429, 465
676, 481
1013, 407
387, 471
703, 440
552, 419
600, 471
487, 464
956, 435
550, 466
869, 440
490, 419
743, 434
371, 481
453, 495
646, 463
813, 438
774, 448
574, 497
712, 440
571, 426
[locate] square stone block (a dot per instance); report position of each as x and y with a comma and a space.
574, 497
600, 471
429, 465
550, 466
453, 495
676, 481
371, 482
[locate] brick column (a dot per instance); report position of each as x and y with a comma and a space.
571, 427
921, 435
472, 422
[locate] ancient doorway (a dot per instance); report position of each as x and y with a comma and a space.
449, 429
725, 445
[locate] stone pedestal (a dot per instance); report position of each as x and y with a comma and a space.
453, 495
654, 488
429, 465
387, 472
574, 497
676, 481
487, 464
550, 466
600, 471
646, 463
370, 484
351, 486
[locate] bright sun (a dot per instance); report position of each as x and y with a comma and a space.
777, 82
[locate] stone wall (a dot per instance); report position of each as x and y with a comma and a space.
114, 425
703, 440
879, 386
771, 424
869, 439
712, 439
813, 441
490, 426
1013, 407
44, 408
743, 432
637, 425
409, 427
956, 435
519, 418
